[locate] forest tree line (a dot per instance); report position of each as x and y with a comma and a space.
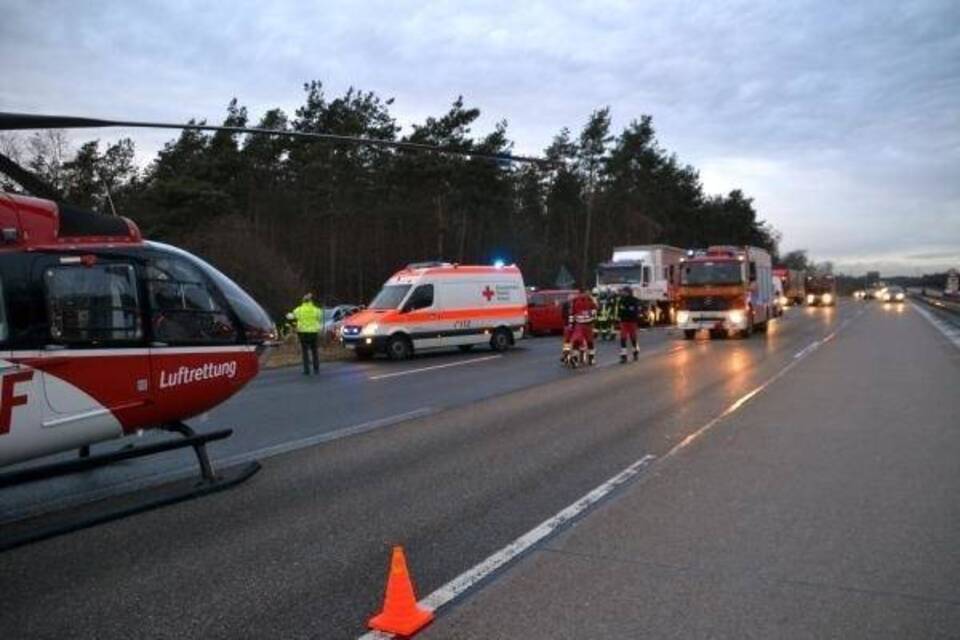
284, 215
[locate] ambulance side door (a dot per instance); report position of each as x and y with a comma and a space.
423, 318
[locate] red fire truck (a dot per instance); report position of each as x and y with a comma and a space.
727, 290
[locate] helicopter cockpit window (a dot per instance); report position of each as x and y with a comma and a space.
184, 307
93, 304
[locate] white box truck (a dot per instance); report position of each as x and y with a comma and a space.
651, 270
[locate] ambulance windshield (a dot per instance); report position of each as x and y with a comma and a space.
390, 296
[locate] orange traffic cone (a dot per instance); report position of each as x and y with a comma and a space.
400, 614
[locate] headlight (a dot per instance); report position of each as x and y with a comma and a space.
886, 297
683, 317
899, 296
737, 317
827, 298
811, 298
783, 301
370, 329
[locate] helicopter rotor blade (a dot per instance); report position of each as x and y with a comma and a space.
28, 180
20, 121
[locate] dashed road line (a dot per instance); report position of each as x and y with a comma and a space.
302, 443
408, 372
186, 471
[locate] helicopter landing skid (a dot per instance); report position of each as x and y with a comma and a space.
48, 525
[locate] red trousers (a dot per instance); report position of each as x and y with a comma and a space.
582, 337
628, 331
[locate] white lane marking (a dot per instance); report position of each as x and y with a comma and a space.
745, 398
952, 333
807, 349
353, 430
133, 484
468, 579
408, 372
471, 577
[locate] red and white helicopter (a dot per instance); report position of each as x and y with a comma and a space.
104, 334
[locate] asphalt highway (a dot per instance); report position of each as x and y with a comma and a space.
454, 462
819, 509
282, 410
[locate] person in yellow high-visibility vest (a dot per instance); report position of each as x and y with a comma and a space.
309, 320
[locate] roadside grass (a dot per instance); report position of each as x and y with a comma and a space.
287, 353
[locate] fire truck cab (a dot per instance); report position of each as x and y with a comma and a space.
727, 290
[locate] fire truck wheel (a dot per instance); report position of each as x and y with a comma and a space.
399, 348
500, 341
689, 334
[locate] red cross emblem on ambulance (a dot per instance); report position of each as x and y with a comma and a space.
488, 293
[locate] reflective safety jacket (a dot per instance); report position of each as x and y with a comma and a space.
606, 310
309, 318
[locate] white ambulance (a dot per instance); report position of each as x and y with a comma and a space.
437, 305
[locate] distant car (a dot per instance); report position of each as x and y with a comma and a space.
894, 294
333, 318
875, 292
545, 310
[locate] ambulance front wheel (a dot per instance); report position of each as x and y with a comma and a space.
500, 341
399, 348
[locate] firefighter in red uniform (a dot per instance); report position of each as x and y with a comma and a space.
583, 308
629, 310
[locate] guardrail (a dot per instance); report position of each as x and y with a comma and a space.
936, 300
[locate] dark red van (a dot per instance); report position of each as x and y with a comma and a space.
544, 310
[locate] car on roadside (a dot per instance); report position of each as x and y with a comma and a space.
545, 311
333, 318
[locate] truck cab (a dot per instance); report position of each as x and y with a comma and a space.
651, 271
726, 290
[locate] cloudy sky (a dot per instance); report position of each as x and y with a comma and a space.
841, 119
